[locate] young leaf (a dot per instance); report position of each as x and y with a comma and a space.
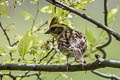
113, 14
102, 37
2, 1
2, 49
90, 36
47, 9
34, 40
25, 44
27, 15
3, 10
12, 49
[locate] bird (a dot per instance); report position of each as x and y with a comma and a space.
70, 42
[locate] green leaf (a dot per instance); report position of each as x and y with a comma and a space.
2, 49
113, 14
27, 15
12, 49
53, 11
34, 40
3, 11
25, 44
90, 36
47, 9
2, 1
81, 4
102, 37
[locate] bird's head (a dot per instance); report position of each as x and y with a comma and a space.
56, 29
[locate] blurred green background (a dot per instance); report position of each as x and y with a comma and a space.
94, 9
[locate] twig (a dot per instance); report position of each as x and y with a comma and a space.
19, 76
42, 26
103, 52
106, 23
34, 20
53, 48
73, 10
5, 33
15, 43
100, 47
33, 74
46, 55
108, 76
51, 57
26, 73
8, 39
8, 74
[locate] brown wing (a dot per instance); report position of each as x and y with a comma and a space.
78, 45
78, 55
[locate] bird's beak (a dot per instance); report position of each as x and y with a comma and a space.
49, 31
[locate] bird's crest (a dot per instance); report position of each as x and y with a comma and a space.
55, 20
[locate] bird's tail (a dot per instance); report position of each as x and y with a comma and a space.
78, 56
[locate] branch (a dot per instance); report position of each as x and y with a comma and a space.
100, 63
108, 76
45, 56
100, 47
13, 77
73, 10
53, 48
55, 51
37, 11
106, 23
5, 33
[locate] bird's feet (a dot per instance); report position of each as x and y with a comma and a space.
83, 64
68, 66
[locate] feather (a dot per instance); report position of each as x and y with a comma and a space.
78, 55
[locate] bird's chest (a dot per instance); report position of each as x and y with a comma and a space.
64, 44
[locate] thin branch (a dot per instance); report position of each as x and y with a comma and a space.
106, 23
105, 12
8, 74
53, 49
8, 39
19, 76
42, 25
5, 33
34, 20
51, 57
103, 52
108, 76
73, 10
100, 47
45, 56
15, 43
29, 75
